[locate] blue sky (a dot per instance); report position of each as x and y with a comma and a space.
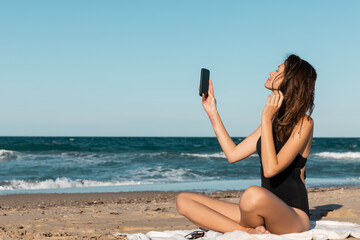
132, 68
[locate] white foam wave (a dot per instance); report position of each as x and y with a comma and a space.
151, 154
79, 154
205, 155
339, 155
6, 155
163, 174
213, 155
62, 182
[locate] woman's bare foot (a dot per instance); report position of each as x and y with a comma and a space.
258, 230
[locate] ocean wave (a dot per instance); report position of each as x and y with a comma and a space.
79, 154
47, 146
205, 155
212, 155
95, 157
7, 155
163, 174
62, 182
339, 155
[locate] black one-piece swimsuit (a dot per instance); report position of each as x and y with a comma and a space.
287, 185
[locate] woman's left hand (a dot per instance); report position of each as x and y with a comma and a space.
273, 105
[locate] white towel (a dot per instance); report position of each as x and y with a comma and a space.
320, 230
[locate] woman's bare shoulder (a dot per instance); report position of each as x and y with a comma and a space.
304, 126
308, 121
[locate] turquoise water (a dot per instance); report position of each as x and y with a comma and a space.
110, 164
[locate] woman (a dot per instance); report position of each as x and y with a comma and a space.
283, 142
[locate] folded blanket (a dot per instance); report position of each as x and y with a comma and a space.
320, 230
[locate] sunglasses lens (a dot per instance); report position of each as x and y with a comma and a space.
195, 235
200, 234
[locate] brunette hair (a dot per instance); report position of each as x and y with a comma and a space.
298, 88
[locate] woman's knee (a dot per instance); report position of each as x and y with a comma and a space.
182, 202
252, 198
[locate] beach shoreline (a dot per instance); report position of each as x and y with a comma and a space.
100, 215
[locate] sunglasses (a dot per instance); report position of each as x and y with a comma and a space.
195, 235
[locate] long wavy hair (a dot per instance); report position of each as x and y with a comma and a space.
298, 88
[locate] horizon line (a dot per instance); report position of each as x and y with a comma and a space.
135, 136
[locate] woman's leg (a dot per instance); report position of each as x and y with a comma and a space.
259, 206
210, 213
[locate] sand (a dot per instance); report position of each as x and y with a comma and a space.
99, 215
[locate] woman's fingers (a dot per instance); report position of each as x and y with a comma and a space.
277, 98
273, 104
281, 98
211, 87
211, 94
208, 98
273, 98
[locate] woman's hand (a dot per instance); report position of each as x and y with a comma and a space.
273, 105
209, 103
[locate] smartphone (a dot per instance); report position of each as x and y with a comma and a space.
204, 82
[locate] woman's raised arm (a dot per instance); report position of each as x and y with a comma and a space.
232, 151
300, 138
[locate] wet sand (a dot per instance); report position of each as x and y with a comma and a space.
99, 215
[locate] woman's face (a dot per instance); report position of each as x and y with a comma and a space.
276, 78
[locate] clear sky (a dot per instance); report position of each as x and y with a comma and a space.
132, 68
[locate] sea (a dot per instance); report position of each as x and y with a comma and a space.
122, 164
